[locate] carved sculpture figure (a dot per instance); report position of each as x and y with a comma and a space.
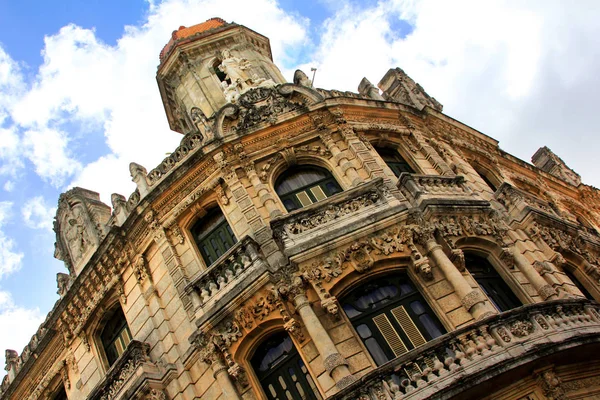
234, 68
301, 79
231, 92
76, 235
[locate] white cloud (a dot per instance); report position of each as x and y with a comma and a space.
9, 186
48, 150
10, 260
17, 324
37, 214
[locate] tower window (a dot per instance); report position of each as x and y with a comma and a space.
391, 317
394, 160
213, 236
304, 185
579, 285
491, 283
115, 336
281, 372
61, 394
486, 180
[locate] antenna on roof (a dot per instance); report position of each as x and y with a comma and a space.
314, 71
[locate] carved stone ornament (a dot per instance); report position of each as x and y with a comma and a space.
331, 213
80, 225
294, 328
261, 105
521, 328
472, 298
188, 145
551, 384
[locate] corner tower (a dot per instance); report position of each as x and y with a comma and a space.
205, 66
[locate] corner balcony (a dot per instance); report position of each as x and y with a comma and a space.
477, 354
437, 190
519, 203
336, 216
127, 377
235, 270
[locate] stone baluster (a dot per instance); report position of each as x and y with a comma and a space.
333, 361
472, 299
341, 159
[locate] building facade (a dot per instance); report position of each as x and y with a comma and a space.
304, 243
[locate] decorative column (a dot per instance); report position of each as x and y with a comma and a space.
472, 299
544, 289
335, 364
341, 159
210, 354
264, 195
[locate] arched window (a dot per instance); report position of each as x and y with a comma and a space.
391, 317
491, 283
213, 235
61, 394
579, 285
486, 180
281, 371
115, 336
303, 185
394, 160
220, 74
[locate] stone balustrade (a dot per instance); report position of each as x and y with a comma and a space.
437, 189
477, 351
334, 216
237, 261
119, 377
518, 202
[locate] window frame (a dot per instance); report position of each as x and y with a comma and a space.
123, 328
497, 275
322, 184
295, 356
394, 165
405, 301
222, 228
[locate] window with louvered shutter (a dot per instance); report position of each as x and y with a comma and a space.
391, 317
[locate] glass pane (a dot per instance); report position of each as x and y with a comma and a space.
364, 331
298, 178
289, 204
430, 326
376, 351
318, 193
304, 199
378, 295
350, 311
332, 188
282, 382
417, 307
272, 390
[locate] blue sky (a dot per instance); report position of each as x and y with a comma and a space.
78, 98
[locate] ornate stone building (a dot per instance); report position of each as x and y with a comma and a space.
304, 243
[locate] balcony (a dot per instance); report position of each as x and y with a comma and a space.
437, 190
125, 379
220, 282
519, 203
460, 360
335, 216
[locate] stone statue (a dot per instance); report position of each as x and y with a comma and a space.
234, 68
201, 122
301, 79
366, 88
63, 282
231, 92
76, 235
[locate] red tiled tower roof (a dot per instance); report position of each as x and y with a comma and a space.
185, 32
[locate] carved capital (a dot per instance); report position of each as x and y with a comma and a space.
333, 361
472, 298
